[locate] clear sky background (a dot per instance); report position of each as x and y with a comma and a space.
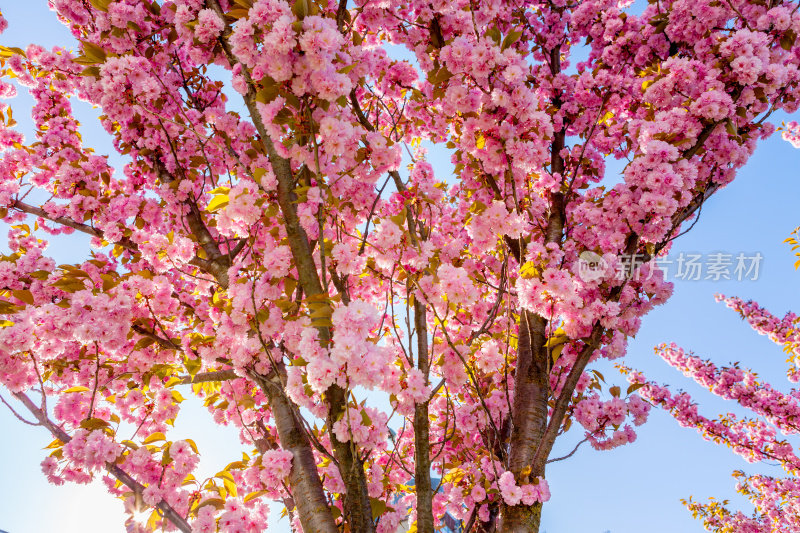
627, 490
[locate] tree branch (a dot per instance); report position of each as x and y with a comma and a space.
125, 242
304, 477
214, 375
217, 263
169, 513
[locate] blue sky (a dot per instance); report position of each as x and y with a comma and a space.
622, 491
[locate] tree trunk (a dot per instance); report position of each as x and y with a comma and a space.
529, 413
307, 492
357, 508
532, 375
422, 441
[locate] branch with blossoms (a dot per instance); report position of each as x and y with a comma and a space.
137, 488
757, 439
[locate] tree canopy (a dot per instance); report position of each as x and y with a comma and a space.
393, 341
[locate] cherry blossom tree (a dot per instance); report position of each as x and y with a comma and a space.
276, 242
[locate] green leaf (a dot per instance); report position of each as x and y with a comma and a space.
268, 93
93, 52
76, 389
237, 13
154, 437
440, 76
788, 39
258, 173
192, 445
635, 387
254, 495
102, 5
143, 343
24, 295
230, 486
510, 39
528, 270
8, 51
365, 419
378, 507
218, 202
555, 353
289, 286
54, 445
218, 503
494, 34
108, 282
166, 458
300, 8
284, 116
94, 423
93, 71
557, 338
193, 366
321, 322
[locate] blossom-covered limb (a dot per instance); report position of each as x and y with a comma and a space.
169, 513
